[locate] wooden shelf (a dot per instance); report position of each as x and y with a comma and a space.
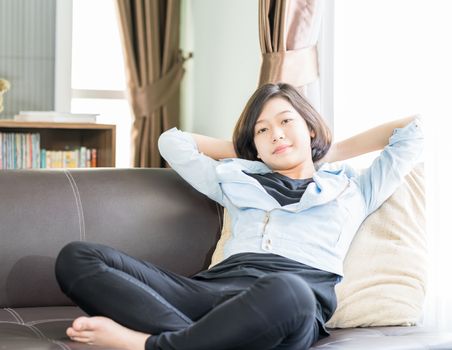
59, 136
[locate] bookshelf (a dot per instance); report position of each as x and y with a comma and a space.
59, 136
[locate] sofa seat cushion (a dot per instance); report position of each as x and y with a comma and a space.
387, 338
38, 328
44, 328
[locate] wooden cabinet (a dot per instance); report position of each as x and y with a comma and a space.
61, 136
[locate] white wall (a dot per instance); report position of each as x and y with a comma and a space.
224, 72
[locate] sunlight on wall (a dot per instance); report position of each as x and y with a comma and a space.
226, 62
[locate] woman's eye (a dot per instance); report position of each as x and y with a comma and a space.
285, 121
260, 131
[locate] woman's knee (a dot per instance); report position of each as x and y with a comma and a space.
71, 252
69, 260
293, 291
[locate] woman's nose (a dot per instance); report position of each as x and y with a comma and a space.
277, 134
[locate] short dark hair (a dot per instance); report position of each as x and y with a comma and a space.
243, 137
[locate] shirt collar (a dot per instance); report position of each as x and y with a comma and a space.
329, 181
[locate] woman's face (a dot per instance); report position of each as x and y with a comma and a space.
282, 137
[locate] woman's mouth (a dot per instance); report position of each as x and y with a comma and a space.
281, 149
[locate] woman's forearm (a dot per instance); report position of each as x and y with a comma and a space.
214, 148
368, 141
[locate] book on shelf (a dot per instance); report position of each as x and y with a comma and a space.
56, 117
23, 151
75, 158
19, 150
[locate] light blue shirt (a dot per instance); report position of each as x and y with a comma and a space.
317, 230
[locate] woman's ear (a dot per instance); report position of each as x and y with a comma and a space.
312, 133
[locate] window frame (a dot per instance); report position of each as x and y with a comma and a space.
64, 93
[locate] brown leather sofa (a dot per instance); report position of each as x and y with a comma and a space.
149, 213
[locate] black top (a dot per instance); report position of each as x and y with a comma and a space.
284, 189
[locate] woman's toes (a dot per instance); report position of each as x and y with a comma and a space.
81, 324
82, 340
103, 331
71, 332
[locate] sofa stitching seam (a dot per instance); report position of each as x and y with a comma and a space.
78, 203
13, 314
20, 321
49, 320
36, 330
39, 334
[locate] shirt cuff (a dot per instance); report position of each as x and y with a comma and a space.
412, 130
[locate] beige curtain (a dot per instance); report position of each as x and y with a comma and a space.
154, 69
288, 31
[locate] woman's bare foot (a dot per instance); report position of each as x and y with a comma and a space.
103, 331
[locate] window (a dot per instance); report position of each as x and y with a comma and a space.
94, 81
392, 59
378, 63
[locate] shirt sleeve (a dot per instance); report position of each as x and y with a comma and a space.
181, 152
381, 179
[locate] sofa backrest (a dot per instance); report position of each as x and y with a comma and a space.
152, 214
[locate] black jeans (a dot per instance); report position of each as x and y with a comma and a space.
276, 311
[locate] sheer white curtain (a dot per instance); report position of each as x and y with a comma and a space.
433, 57
393, 59
439, 301
438, 308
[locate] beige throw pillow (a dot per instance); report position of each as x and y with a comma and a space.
385, 270
225, 235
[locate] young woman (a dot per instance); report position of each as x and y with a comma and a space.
293, 218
